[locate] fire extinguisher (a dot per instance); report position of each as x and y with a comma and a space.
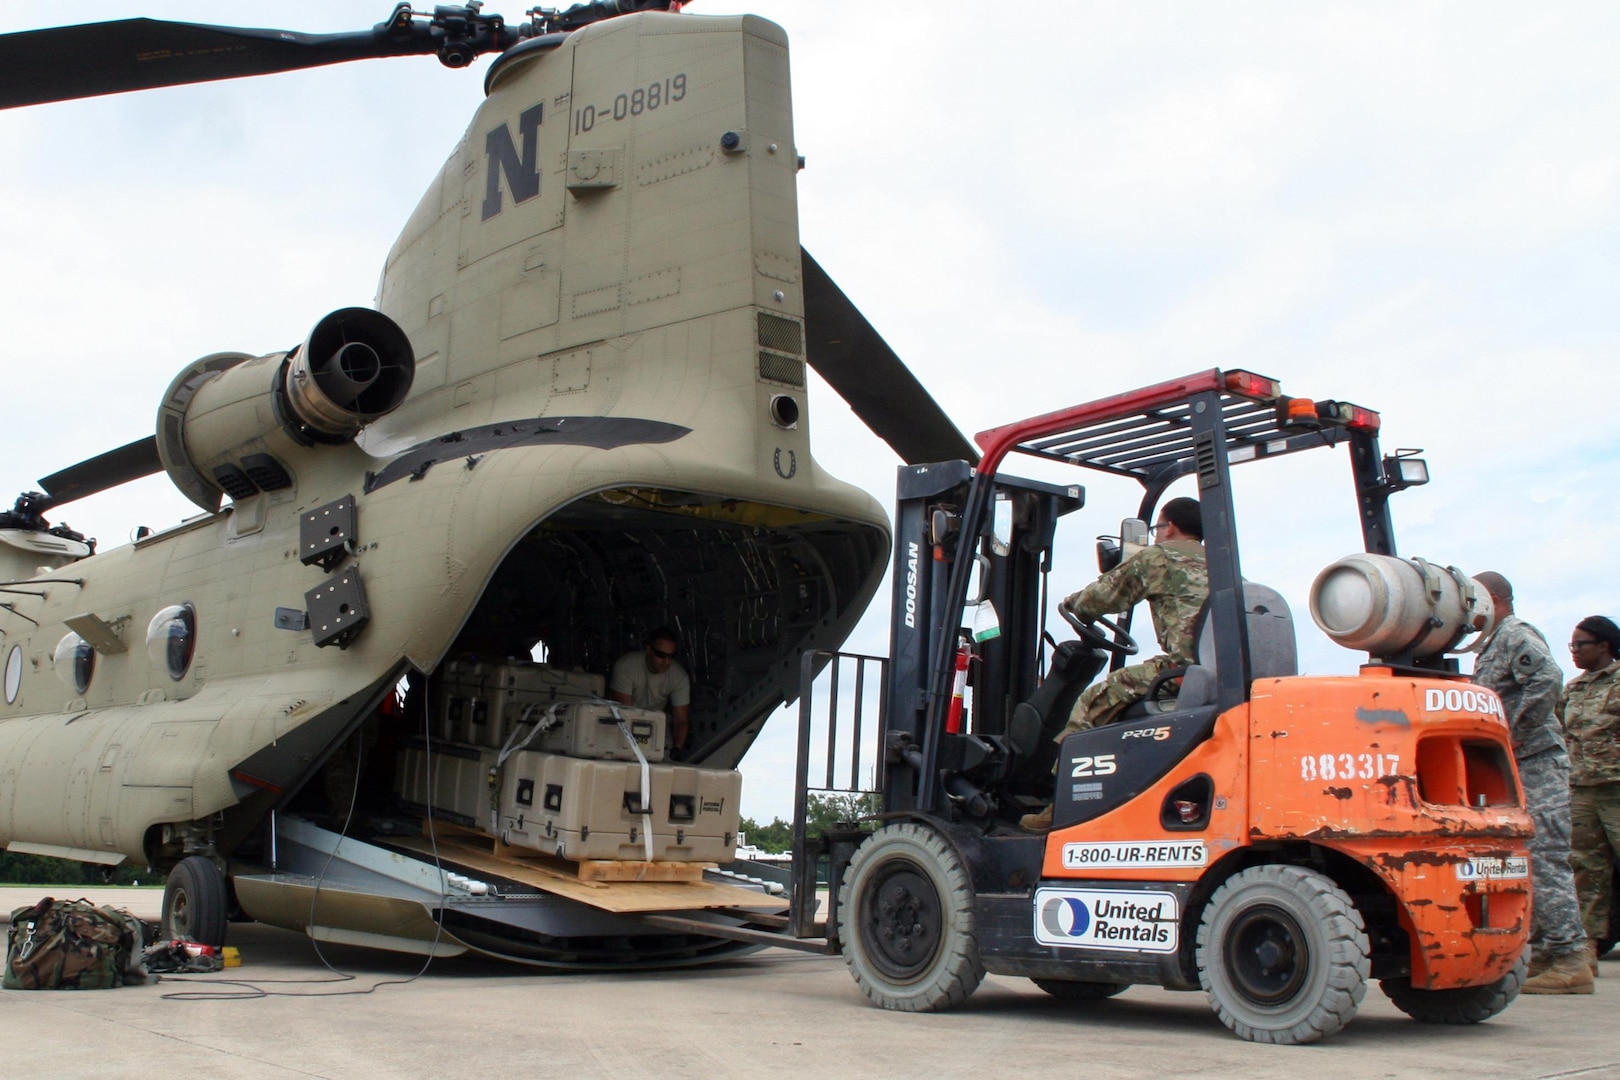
953, 717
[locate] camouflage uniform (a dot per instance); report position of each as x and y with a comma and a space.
1518, 665
1174, 581
1590, 710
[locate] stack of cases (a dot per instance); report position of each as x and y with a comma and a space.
480, 703
580, 809
475, 706
574, 791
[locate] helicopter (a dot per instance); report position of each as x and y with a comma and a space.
576, 411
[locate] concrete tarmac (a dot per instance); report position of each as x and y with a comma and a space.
284, 1014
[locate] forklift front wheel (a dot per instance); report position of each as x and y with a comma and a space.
906, 920
1282, 954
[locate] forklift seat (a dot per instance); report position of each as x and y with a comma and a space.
1273, 653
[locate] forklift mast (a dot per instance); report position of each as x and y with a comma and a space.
943, 533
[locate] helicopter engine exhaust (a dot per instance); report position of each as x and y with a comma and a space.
238, 425
356, 365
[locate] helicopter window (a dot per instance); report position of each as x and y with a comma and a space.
13, 674
171, 639
75, 662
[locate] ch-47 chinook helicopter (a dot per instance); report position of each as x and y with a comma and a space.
577, 412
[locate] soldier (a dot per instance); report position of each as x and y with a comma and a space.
1517, 664
1172, 577
651, 679
1590, 710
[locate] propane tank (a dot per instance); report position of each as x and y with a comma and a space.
1388, 606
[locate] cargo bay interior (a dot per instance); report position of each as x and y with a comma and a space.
746, 587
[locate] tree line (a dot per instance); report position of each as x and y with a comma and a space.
821, 813
19, 869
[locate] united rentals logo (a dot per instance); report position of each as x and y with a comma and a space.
1097, 919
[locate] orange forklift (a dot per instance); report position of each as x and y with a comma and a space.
1275, 840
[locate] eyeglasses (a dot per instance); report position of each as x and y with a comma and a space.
660, 653
1160, 525
1579, 644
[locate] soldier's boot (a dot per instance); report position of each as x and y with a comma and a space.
1040, 821
1539, 962
1567, 975
1590, 956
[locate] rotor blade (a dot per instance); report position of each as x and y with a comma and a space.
120, 466
855, 360
139, 54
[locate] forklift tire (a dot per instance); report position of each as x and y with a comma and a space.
1069, 990
906, 920
195, 902
1465, 1005
1282, 954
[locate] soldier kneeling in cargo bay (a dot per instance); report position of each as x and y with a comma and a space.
1172, 577
651, 679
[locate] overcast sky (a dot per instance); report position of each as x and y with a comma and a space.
1415, 207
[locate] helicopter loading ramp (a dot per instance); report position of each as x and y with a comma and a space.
446, 896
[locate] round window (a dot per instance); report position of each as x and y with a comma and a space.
171, 639
75, 662
13, 674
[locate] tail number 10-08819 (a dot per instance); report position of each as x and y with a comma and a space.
1101, 765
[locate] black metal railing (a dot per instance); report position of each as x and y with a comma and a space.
840, 730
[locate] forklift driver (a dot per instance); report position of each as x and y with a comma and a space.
1172, 577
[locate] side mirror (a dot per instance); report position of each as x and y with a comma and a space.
1133, 537
1108, 554
1113, 550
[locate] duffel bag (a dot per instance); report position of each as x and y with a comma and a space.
73, 945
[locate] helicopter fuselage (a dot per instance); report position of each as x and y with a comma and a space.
603, 428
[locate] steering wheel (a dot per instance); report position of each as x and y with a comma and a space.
1090, 631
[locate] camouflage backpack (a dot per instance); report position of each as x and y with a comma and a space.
72, 945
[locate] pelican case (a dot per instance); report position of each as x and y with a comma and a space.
481, 702
579, 809
591, 730
460, 789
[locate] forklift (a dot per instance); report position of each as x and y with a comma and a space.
1271, 839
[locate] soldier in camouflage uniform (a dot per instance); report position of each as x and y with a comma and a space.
1590, 711
1172, 577
1517, 664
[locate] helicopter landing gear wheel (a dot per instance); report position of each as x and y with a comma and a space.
195, 903
1464, 1005
1282, 954
906, 920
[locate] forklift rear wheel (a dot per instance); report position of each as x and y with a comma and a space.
906, 920
1465, 1005
195, 903
1282, 954
1069, 990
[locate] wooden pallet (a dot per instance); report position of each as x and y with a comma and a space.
621, 891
